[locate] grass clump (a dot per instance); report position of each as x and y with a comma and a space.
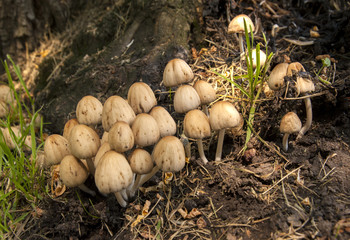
21, 181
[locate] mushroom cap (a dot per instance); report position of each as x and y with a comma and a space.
304, 85
237, 24
165, 121
6, 94
121, 137
9, 141
262, 58
177, 72
104, 137
89, 111
105, 147
290, 123
196, 124
206, 92
113, 173
68, 127
83, 142
223, 115
186, 98
169, 154
55, 149
145, 129
116, 109
294, 67
72, 171
4, 109
276, 79
141, 97
140, 161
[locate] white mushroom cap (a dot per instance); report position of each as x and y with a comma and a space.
290, 123
276, 79
116, 109
121, 137
262, 58
141, 98
72, 171
113, 173
303, 85
83, 142
165, 121
145, 129
89, 111
196, 125
223, 115
295, 67
169, 154
68, 127
105, 147
6, 94
237, 24
206, 92
4, 109
55, 149
177, 72
141, 161
186, 98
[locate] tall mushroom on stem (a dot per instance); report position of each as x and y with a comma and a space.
223, 115
177, 72
290, 123
206, 93
303, 85
55, 149
84, 144
196, 125
237, 26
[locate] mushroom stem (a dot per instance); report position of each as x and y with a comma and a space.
128, 189
240, 40
84, 188
124, 195
120, 199
219, 146
143, 178
307, 125
91, 166
285, 142
201, 151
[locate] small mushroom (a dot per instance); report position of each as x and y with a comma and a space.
141, 98
55, 149
105, 147
196, 125
13, 138
165, 121
145, 129
177, 72
113, 175
84, 143
121, 137
290, 124
237, 26
4, 109
68, 127
206, 93
223, 115
262, 58
89, 111
73, 173
186, 98
276, 79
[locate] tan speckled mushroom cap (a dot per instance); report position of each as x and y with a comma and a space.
223, 115
276, 79
141, 98
237, 24
121, 137
177, 72
55, 149
186, 98
141, 161
89, 111
72, 171
145, 129
290, 123
196, 125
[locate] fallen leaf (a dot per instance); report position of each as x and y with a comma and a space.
201, 223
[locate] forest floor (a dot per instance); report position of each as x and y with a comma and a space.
265, 193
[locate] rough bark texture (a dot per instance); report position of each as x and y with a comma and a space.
116, 46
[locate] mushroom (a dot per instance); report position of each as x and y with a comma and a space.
4, 109
121, 137
177, 72
303, 85
73, 173
6, 94
113, 175
262, 58
89, 111
116, 109
196, 125
104, 137
223, 115
206, 93
165, 121
141, 163
145, 129
68, 127
13, 138
141, 98
237, 26
276, 79
84, 143
290, 124
186, 98
105, 147
55, 149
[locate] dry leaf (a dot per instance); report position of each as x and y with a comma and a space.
168, 176
201, 223
143, 213
194, 213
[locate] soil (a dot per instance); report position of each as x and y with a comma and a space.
265, 193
